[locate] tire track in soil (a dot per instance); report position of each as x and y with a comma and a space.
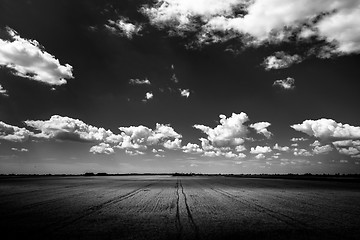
190, 217
69, 221
290, 221
178, 224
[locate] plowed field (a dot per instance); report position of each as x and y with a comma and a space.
168, 207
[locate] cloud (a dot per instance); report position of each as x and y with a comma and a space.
13, 133
260, 156
139, 137
66, 128
262, 21
322, 149
3, 91
20, 149
230, 132
327, 129
192, 148
260, 149
123, 27
185, 92
287, 84
298, 139
134, 152
315, 143
302, 152
174, 78
29, 60
280, 60
174, 144
137, 81
261, 128
102, 148
283, 149
348, 147
148, 96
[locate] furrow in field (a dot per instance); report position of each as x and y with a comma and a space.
190, 217
96, 208
278, 216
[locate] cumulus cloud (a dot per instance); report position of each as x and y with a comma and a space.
260, 149
230, 132
173, 144
280, 60
139, 137
137, 81
322, 149
3, 91
315, 143
287, 84
185, 92
262, 21
283, 149
148, 96
123, 27
298, 139
20, 149
102, 148
327, 129
261, 128
348, 147
13, 133
66, 128
192, 148
260, 156
302, 152
26, 58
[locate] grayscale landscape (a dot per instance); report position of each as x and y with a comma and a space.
177, 207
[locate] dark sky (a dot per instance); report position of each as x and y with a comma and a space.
69, 71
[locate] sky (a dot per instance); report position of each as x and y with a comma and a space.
163, 86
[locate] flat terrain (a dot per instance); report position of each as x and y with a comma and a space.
168, 207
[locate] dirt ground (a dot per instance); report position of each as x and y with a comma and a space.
181, 207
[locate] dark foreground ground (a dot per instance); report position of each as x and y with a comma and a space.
167, 207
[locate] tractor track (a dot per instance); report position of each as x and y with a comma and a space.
94, 209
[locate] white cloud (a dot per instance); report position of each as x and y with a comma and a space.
174, 144
192, 148
137, 81
66, 128
348, 147
287, 84
284, 149
262, 21
230, 132
298, 139
302, 152
3, 91
327, 129
139, 137
261, 128
315, 143
102, 148
123, 27
134, 152
280, 60
240, 148
13, 133
148, 96
260, 156
174, 78
185, 92
20, 149
29, 60
322, 149
294, 144
260, 149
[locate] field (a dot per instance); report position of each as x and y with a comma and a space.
177, 207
